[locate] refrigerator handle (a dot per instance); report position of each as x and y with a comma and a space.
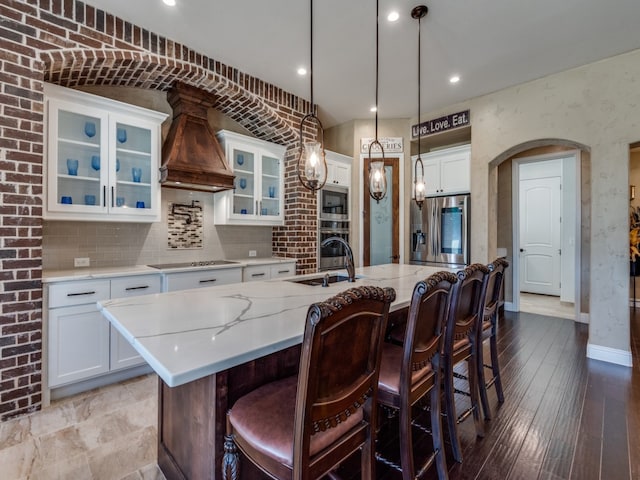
465, 233
438, 228
434, 228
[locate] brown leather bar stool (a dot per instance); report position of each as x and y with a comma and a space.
489, 331
304, 426
412, 371
461, 344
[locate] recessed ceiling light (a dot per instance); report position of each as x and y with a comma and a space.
393, 16
373, 109
171, 3
302, 71
454, 79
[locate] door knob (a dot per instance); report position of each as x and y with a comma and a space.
522, 250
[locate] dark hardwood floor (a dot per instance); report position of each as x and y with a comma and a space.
564, 417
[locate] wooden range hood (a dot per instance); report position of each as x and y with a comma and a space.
192, 158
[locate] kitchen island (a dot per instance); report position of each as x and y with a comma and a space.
212, 345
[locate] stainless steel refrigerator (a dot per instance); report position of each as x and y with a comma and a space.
440, 231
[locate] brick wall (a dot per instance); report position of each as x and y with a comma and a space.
70, 43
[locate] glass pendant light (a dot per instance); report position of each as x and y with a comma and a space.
377, 173
312, 165
419, 186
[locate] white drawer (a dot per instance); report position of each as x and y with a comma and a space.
135, 285
283, 270
79, 292
255, 273
202, 278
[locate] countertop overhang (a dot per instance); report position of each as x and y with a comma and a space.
190, 334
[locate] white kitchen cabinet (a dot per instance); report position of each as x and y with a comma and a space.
338, 169
268, 271
446, 171
201, 278
78, 344
256, 272
258, 196
78, 333
287, 269
81, 342
122, 354
102, 158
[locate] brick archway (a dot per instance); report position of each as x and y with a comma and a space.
262, 116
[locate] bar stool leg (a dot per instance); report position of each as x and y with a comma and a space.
473, 391
436, 435
230, 459
450, 410
482, 383
495, 366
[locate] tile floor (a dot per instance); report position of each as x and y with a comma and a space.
546, 305
104, 434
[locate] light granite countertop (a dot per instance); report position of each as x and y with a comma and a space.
186, 335
88, 273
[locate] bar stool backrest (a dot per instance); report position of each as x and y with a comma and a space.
339, 364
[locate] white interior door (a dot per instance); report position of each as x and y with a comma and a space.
540, 219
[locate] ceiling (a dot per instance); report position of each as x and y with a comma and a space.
491, 44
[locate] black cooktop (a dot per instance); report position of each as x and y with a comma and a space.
201, 263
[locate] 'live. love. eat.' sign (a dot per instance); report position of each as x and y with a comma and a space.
442, 124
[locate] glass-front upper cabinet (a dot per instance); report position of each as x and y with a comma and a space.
102, 158
258, 196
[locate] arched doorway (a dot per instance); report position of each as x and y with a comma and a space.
505, 167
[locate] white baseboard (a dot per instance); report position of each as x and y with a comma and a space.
611, 355
508, 306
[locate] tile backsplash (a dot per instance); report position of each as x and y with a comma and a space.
110, 244
185, 224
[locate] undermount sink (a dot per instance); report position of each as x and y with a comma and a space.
324, 280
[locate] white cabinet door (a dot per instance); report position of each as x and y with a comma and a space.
102, 158
431, 175
78, 344
134, 189
258, 196
455, 173
342, 175
123, 355
201, 278
256, 273
446, 172
283, 270
77, 176
338, 169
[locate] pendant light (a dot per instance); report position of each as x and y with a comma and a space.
377, 174
419, 187
312, 165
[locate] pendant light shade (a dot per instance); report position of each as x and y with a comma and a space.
419, 185
377, 180
377, 173
312, 164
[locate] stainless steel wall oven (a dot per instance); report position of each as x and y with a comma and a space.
334, 203
333, 220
